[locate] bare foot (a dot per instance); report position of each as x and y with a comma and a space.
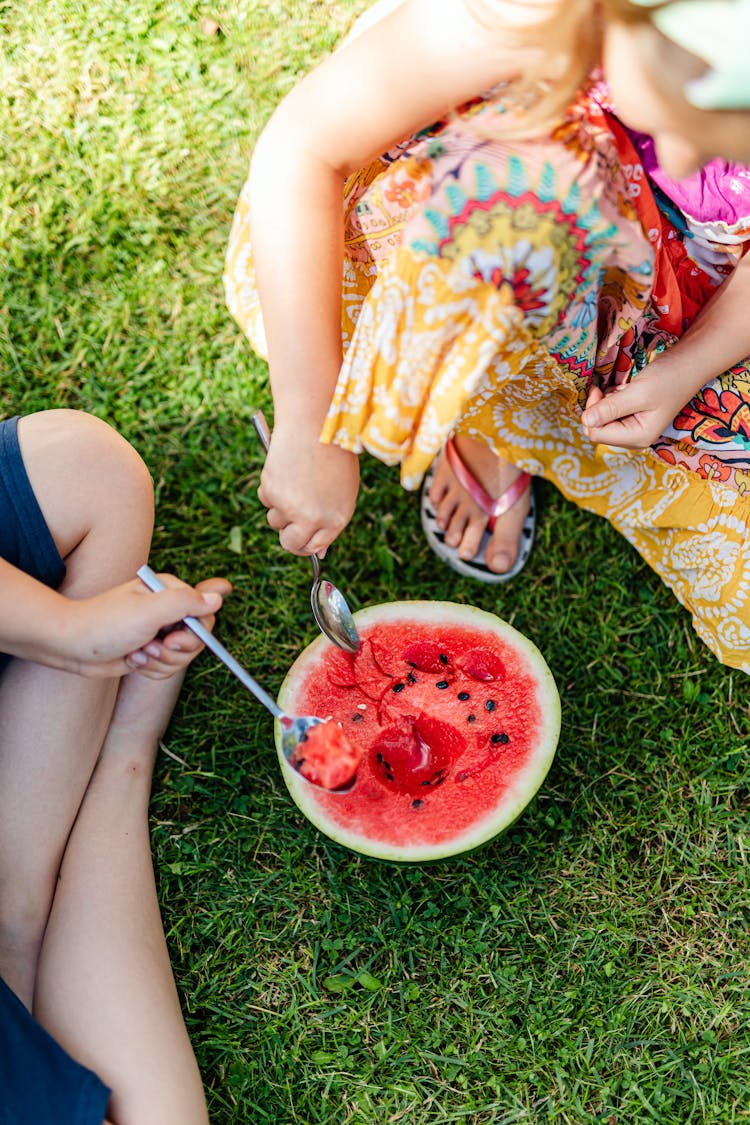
461, 518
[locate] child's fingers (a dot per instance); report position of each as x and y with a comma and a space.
604, 412
175, 645
594, 395
174, 650
220, 586
182, 639
613, 434
164, 665
178, 637
178, 600
159, 660
627, 433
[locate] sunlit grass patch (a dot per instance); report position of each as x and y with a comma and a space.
591, 966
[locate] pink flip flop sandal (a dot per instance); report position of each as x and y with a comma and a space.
477, 567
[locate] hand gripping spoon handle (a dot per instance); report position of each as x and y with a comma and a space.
332, 615
293, 729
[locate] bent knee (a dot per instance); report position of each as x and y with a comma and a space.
86, 478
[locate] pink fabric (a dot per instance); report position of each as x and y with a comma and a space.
470, 484
718, 193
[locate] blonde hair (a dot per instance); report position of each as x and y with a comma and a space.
632, 13
574, 34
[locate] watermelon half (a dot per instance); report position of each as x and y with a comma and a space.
457, 717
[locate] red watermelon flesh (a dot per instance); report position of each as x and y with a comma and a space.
456, 716
327, 757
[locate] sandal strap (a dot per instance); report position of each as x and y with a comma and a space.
491, 506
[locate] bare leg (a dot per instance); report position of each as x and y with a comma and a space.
104, 986
97, 499
463, 520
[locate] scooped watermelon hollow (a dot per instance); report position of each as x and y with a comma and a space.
457, 718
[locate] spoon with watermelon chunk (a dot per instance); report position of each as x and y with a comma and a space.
317, 748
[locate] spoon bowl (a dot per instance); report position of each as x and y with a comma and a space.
332, 615
294, 728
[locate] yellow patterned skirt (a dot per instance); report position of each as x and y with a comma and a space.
485, 285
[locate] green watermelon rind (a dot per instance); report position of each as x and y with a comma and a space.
525, 784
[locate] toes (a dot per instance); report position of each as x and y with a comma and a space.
436, 493
500, 558
502, 550
463, 523
471, 540
446, 511
455, 527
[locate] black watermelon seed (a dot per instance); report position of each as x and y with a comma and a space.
300, 763
464, 695
497, 738
490, 705
379, 756
417, 804
411, 678
503, 738
358, 718
439, 781
426, 783
398, 687
303, 738
411, 663
389, 777
387, 766
442, 684
471, 719
443, 658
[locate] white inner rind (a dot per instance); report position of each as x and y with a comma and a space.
522, 786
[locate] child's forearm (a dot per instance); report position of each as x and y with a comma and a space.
33, 618
634, 414
298, 253
718, 338
106, 634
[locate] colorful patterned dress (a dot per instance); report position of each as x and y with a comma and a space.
487, 282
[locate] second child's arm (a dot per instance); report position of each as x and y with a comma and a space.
399, 75
635, 414
109, 634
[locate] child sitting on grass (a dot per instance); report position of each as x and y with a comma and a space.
524, 290
90, 1021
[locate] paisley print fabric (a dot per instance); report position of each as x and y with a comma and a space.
486, 283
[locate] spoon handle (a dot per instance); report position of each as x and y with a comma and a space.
261, 429
147, 576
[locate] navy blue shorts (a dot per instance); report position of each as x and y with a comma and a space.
25, 539
39, 1083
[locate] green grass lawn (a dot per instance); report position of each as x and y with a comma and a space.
592, 965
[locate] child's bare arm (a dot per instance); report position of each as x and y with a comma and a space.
106, 635
635, 414
406, 71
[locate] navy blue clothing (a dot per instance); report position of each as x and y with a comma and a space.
40, 1084
25, 539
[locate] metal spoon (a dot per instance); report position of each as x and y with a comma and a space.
332, 614
293, 728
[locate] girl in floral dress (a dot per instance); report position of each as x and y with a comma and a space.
525, 290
